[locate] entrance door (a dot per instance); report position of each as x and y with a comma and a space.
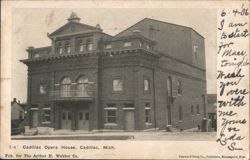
34, 118
83, 119
129, 120
66, 119
169, 115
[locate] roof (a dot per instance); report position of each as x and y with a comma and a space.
83, 26
150, 19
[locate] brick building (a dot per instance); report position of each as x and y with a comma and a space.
148, 76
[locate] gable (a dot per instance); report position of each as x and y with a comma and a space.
70, 28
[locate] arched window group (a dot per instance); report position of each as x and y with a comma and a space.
84, 45
80, 90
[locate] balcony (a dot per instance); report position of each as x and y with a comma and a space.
71, 95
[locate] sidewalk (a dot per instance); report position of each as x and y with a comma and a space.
152, 135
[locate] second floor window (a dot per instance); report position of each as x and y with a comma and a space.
43, 88
65, 87
82, 86
117, 85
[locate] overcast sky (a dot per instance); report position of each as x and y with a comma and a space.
30, 28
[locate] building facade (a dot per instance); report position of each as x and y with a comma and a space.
147, 76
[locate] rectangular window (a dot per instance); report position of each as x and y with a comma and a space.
179, 87
192, 109
108, 46
180, 113
197, 109
111, 113
111, 116
80, 116
148, 115
46, 115
21, 115
117, 85
87, 116
195, 50
146, 85
90, 47
127, 44
43, 89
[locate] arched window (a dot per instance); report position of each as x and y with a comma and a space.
67, 47
89, 45
169, 86
80, 46
82, 85
59, 48
65, 87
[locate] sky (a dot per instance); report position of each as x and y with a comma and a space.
30, 28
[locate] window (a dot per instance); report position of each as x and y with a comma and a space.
197, 109
80, 114
65, 87
59, 48
67, 47
140, 44
179, 87
82, 86
89, 45
108, 46
117, 85
192, 109
46, 114
180, 113
169, 86
148, 46
111, 113
127, 44
146, 85
195, 50
43, 88
80, 46
21, 115
87, 116
147, 115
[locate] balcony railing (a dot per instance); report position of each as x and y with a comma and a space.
70, 94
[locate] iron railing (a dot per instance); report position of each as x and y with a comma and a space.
61, 94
